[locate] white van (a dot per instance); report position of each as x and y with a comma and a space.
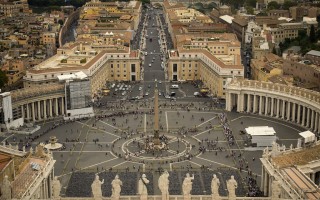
174, 86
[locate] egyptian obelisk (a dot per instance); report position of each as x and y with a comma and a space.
156, 140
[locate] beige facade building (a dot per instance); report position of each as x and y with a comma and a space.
99, 17
49, 38
9, 8
213, 59
99, 60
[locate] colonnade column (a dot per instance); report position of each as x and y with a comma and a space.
28, 111
316, 123
50, 107
312, 119
308, 118
260, 105
303, 116
33, 112
39, 111
278, 108
45, 109
288, 110
293, 112
299, 114
56, 107
272, 107
62, 106
249, 103
254, 103
283, 109
266, 105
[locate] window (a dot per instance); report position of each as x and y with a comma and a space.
111, 66
133, 67
175, 68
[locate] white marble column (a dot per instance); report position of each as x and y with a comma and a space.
39, 110
238, 103
272, 107
299, 114
312, 119
283, 109
56, 107
266, 105
308, 118
278, 108
260, 105
293, 112
50, 107
33, 112
62, 106
288, 110
45, 109
304, 116
28, 111
316, 123
254, 103
249, 103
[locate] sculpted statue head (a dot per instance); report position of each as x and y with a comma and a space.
143, 176
187, 175
97, 177
232, 177
214, 176
116, 177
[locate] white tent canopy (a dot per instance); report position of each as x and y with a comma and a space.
260, 130
308, 136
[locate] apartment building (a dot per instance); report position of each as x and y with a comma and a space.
213, 58
12, 8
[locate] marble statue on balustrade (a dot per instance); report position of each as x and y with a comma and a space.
231, 186
276, 190
6, 188
56, 188
142, 187
96, 188
215, 183
163, 184
187, 186
116, 188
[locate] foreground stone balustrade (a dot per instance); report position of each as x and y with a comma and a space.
294, 104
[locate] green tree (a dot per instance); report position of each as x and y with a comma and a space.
3, 79
273, 5
288, 3
251, 3
313, 38
250, 10
60, 21
274, 51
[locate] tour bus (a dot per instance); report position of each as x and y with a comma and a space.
174, 86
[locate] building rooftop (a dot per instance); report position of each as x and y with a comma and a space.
313, 53
298, 157
227, 18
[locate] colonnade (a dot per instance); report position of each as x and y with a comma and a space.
43, 109
289, 106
